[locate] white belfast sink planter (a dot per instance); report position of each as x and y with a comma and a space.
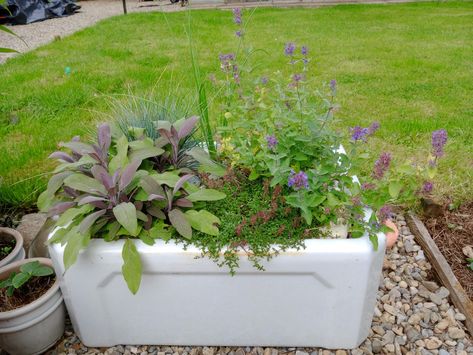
321, 296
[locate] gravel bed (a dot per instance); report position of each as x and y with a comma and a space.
414, 315
39, 33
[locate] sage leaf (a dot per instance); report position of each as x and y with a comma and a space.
203, 221
180, 222
131, 268
85, 183
125, 213
206, 195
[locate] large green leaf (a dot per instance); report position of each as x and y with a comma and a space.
29, 267
145, 153
394, 189
85, 183
206, 195
131, 268
74, 244
120, 160
203, 221
167, 178
72, 213
20, 279
180, 222
43, 271
207, 165
125, 213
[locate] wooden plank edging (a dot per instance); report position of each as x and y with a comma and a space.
442, 268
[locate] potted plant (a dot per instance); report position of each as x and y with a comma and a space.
11, 246
272, 242
32, 312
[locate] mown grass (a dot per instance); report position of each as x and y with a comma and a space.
410, 66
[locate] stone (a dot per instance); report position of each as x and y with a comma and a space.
403, 284
401, 340
390, 348
298, 352
433, 343
443, 352
377, 346
460, 316
412, 334
388, 338
442, 325
390, 309
341, 352
420, 255
29, 227
378, 330
408, 247
430, 285
456, 333
468, 251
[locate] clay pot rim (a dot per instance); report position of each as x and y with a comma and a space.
18, 244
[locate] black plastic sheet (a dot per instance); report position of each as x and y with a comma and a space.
20, 12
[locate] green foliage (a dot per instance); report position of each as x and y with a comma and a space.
116, 188
280, 128
470, 263
27, 271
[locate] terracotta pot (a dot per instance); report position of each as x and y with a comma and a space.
18, 253
35, 327
391, 237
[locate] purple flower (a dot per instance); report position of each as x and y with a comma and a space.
385, 213
373, 128
272, 142
225, 60
358, 133
297, 77
298, 181
264, 80
333, 86
304, 50
239, 33
381, 165
427, 187
439, 138
237, 15
289, 49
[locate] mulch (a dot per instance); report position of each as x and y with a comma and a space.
453, 231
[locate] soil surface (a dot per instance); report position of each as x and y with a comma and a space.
452, 232
29, 292
7, 243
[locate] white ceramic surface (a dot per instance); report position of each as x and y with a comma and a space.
322, 296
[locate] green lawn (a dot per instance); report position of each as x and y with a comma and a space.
410, 66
